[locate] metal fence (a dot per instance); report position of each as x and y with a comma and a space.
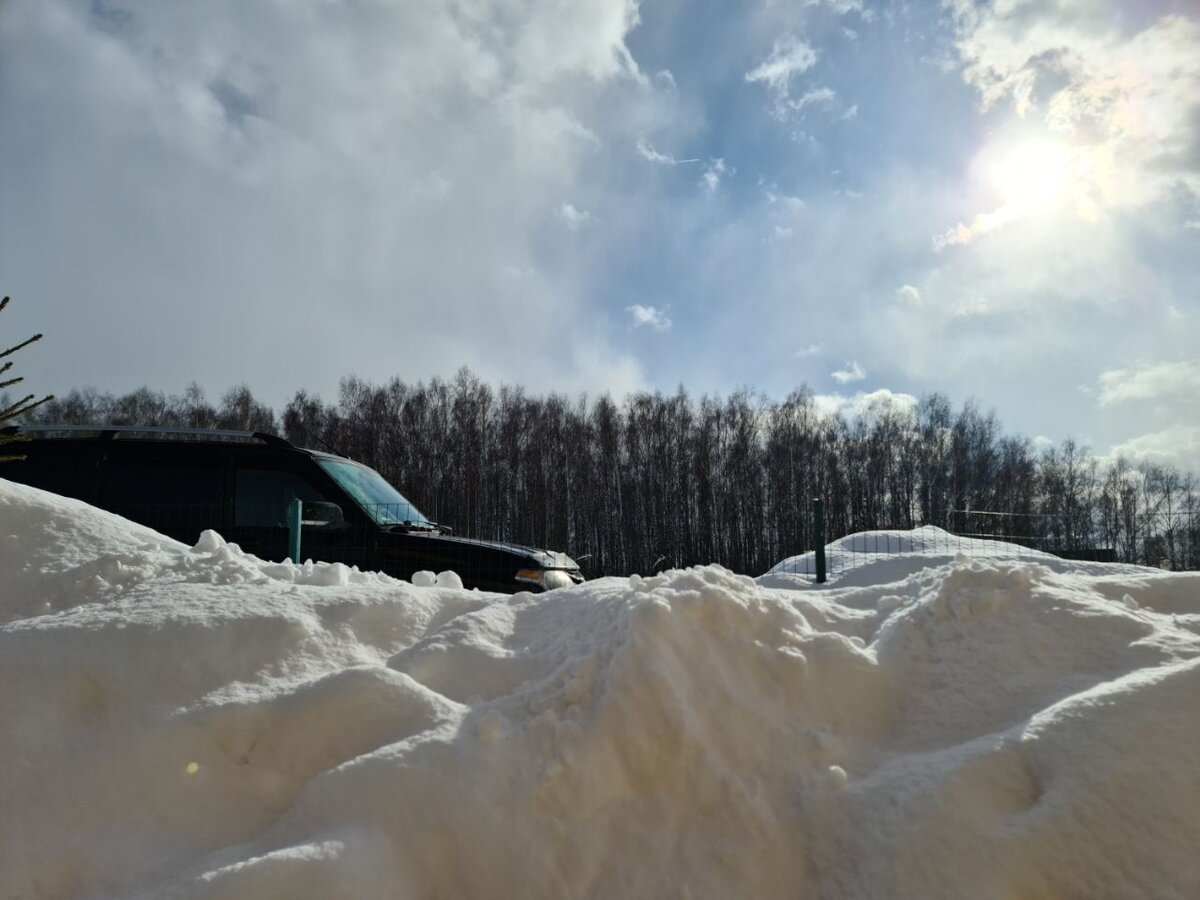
1165, 540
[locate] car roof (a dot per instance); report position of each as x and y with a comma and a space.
148, 433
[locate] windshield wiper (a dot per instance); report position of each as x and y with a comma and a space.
420, 527
409, 526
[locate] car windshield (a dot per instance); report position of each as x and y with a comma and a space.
370, 490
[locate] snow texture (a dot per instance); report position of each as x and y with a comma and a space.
192, 722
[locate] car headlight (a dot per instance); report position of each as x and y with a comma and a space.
547, 579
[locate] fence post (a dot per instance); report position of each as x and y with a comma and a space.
295, 515
818, 514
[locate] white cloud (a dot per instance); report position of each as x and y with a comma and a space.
649, 316
647, 152
1124, 96
711, 179
574, 218
810, 350
972, 307
1192, 224
982, 224
665, 79
851, 113
1162, 381
842, 6
865, 403
784, 202
251, 162
1094, 112
908, 294
1177, 446
820, 96
790, 56
850, 373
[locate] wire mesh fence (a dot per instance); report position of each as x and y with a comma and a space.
1165, 540
400, 540
240, 484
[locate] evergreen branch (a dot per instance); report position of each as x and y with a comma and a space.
23, 406
12, 350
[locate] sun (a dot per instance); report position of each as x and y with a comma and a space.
1031, 176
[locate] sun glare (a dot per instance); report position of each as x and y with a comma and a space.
1032, 176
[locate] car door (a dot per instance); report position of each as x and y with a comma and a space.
66, 467
178, 488
264, 487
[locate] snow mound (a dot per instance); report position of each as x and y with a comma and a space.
208, 725
870, 557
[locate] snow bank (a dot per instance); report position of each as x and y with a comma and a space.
196, 723
870, 557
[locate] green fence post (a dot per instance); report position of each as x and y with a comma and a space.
295, 515
818, 514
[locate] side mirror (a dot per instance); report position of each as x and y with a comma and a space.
321, 514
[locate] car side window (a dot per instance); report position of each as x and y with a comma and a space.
48, 468
164, 493
262, 496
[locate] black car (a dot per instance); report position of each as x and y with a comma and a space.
245, 486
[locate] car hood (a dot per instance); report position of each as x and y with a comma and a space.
546, 559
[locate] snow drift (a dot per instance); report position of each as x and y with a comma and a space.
193, 722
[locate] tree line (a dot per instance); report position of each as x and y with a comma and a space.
662, 480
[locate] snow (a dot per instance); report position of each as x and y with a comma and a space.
871, 556
193, 722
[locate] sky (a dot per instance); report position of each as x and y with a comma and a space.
998, 201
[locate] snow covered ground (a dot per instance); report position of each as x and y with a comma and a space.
194, 722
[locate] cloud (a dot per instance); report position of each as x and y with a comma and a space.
983, 223
790, 56
908, 294
843, 6
647, 152
221, 173
574, 218
711, 179
851, 113
1123, 89
820, 96
810, 350
865, 403
1177, 446
665, 79
850, 373
649, 316
1158, 382
784, 202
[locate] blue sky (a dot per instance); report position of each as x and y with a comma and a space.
998, 200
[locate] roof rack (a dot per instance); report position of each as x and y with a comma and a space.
110, 432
